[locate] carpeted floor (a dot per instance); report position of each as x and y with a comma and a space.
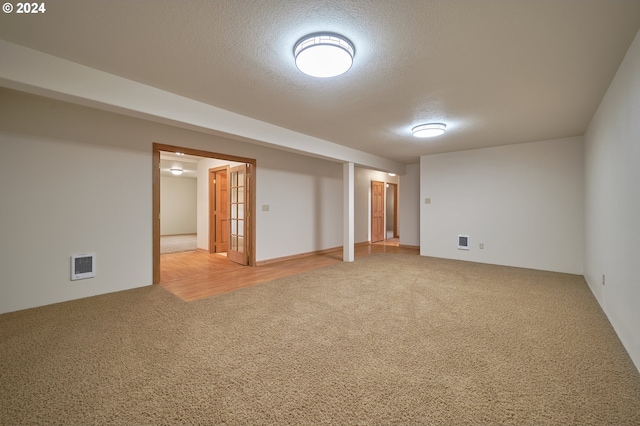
387, 339
177, 243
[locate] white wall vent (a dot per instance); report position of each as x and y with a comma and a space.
463, 242
83, 266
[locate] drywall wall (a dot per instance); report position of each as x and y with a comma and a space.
298, 187
70, 184
178, 201
75, 180
298, 205
362, 200
409, 203
523, 202
612, 199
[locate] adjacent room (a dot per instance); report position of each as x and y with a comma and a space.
434, 221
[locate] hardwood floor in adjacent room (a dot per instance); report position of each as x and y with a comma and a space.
197, 274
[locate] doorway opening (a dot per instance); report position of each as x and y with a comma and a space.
384, 212
392, 211
241, 216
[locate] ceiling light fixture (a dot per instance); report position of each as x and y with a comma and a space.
324, 54
176, 170
429, 130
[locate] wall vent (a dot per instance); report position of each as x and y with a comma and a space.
83, 266
463, 242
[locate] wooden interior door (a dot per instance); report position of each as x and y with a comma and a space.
377, 211
219, 210
238, 208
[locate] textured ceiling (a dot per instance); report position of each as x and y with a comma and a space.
496, 71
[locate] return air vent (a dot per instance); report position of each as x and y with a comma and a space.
463, 242
83, 266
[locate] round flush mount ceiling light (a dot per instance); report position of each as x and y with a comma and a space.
429, 130
324, 55
176, 170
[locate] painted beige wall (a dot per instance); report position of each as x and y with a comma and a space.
612, 183
75, 180
178, 202
409, 201
304, 198
72, 181
524, 202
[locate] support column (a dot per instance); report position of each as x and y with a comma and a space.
348, 224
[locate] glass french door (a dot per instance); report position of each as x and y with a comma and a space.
237, 248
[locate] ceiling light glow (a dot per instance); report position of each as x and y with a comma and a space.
429, 130
324, 55
176, 169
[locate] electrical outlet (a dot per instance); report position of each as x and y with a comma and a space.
265, 207
427, 200
481, 246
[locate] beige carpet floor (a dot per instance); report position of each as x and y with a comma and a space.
178, 243
387, 339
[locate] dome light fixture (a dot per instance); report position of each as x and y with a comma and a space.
324, 54
176, 170
429, 130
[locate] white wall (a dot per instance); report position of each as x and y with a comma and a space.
362, 200
74, 179
304, 198
178, 201
612, 198
523, 202
70, 183
409, 206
